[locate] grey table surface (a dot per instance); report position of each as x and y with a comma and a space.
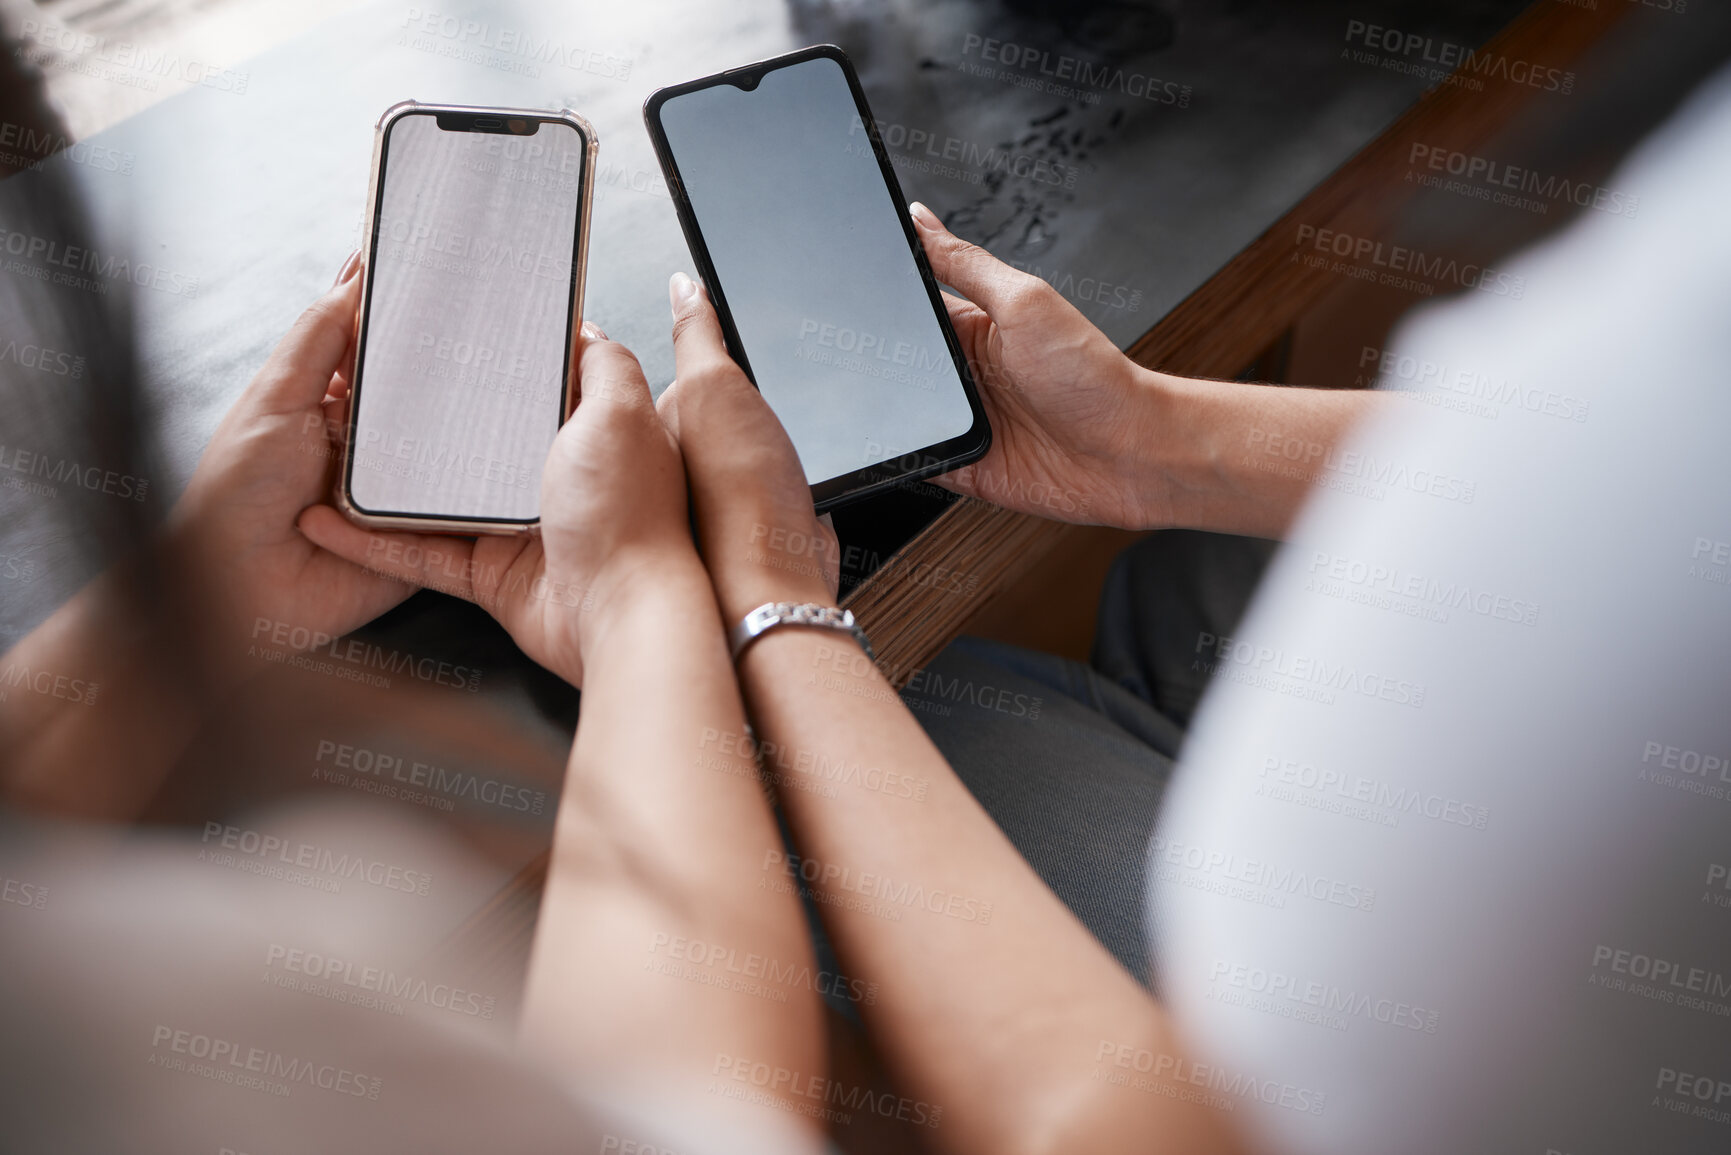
251, 199
259, 195
250, 193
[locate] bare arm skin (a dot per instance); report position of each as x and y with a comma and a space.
660, 833
111, 687
1009, 1021
1081, 433
995, 1006
653, 852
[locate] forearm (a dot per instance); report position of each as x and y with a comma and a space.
653, 912
96, 704
1233, 457
993, 1002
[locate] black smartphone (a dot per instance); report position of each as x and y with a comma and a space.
800, 232
478, 227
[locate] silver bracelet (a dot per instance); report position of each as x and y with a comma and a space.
772, 614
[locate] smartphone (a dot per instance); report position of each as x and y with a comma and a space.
472, 291
799, 230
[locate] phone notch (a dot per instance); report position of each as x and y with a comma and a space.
478, 122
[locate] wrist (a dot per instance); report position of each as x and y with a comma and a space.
770, 564
740, 596
634, 585
1161, 464
1206, 456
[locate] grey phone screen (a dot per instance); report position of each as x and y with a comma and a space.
461, 380
812, 258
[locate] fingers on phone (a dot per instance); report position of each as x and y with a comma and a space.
335, 412
300, 368
412, 558
698, 347
608, 371
958, 481
970, 269
349, 268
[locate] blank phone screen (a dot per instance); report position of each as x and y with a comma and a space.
812, 257
462, 375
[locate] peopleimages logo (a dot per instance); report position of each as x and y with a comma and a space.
1071, 76
257, 847
1354, 795
1401, 267
37, 146
740, 971
1348, 471
894, 896
517, 50
1309, 1000
22, 893
303, 647
1470, 66
55, 262
1663, 980
1703, 1089
926, 150
1479, 394
344, 980
121, 61
62, 470
19, 676
42, 358
801, 1093
1704, 773
1710, 561
464, 252
1501, 183
1305, 676
1418, 595
1231, 1087
1228, 874
411, 775
227, 1061
1718, 879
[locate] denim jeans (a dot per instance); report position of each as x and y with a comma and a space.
1071, 759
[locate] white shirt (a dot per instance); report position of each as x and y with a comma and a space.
1445, 865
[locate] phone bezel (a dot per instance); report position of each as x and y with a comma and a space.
450, 523
878, 477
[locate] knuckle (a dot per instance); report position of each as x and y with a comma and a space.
968, 251
322, 312
683, 323
712, 377
605, 351
1024, 291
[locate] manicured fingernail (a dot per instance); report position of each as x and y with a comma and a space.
923, 216
593, 332
681, 289
349, 269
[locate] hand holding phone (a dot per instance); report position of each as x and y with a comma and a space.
478, 229
762, 540
796, 221
614, 525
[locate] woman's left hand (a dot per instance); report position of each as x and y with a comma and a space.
234, 531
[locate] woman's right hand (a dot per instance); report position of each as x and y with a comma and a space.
1073, 419
762, 540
